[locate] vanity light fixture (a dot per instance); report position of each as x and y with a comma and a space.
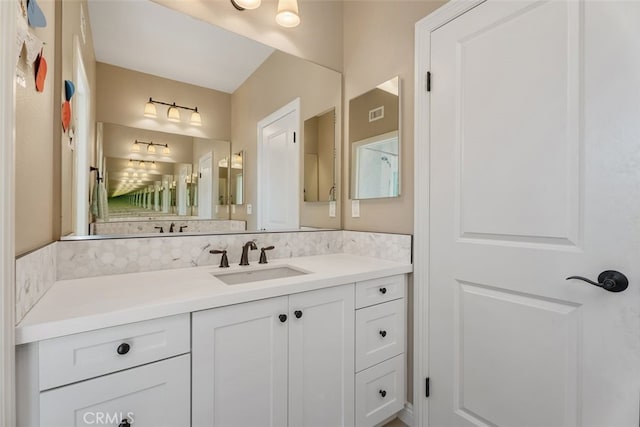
151, 147
173, 113
287, 15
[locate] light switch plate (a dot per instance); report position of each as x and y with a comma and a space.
332, 209
249, 209
355, 208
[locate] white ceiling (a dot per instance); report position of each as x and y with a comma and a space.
150, 38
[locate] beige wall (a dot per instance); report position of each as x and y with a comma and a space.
378, 45
318, 38
35, 142
278, 81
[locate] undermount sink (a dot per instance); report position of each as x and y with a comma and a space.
258, 274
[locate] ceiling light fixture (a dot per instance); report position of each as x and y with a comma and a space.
287, 15
173, 113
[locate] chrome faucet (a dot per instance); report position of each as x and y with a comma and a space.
244, 259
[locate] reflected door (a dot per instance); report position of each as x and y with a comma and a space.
534, 178
278, 175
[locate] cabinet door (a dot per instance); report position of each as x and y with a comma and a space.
321, 357
153, 395
239, 374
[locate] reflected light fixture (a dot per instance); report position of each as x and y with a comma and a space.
151, 147
196, 120
173, 115
173, 112
150, 109
287, 15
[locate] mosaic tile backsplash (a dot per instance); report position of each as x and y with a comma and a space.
36, 272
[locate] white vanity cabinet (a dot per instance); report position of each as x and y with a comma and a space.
136, 374
380, 349
285, 360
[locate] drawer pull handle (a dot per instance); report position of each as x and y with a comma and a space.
383, 393
383, 334
383, 290
298, 314
123, 349
283, 318
124, 423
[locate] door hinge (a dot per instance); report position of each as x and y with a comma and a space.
294, 137
428, 81
426, 387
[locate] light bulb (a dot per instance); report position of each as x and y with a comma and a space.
166, 150
151, 149
135, 147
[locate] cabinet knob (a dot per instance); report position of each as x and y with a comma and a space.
383, 393
123, 348
124, 423
283, 318
383, 334
383, 290
298, 314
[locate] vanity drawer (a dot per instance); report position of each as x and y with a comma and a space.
90, 354
153, 395
376, 291
380, 333
380, 391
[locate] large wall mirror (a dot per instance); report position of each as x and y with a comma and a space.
175, 145
374, 140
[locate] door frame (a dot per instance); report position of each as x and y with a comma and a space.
291, 107
422, 144
8, 61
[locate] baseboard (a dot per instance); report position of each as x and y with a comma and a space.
406, 415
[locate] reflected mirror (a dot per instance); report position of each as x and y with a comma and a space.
171, 102
374, 141
237, 178
319, 157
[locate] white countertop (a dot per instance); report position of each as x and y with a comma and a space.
80, 305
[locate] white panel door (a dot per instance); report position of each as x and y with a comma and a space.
239, 371
535, 176
153, 395
321, 357
279, 170
205, 186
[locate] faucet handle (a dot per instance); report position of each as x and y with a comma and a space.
182, 227
224, 261
159, 228
263, 254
